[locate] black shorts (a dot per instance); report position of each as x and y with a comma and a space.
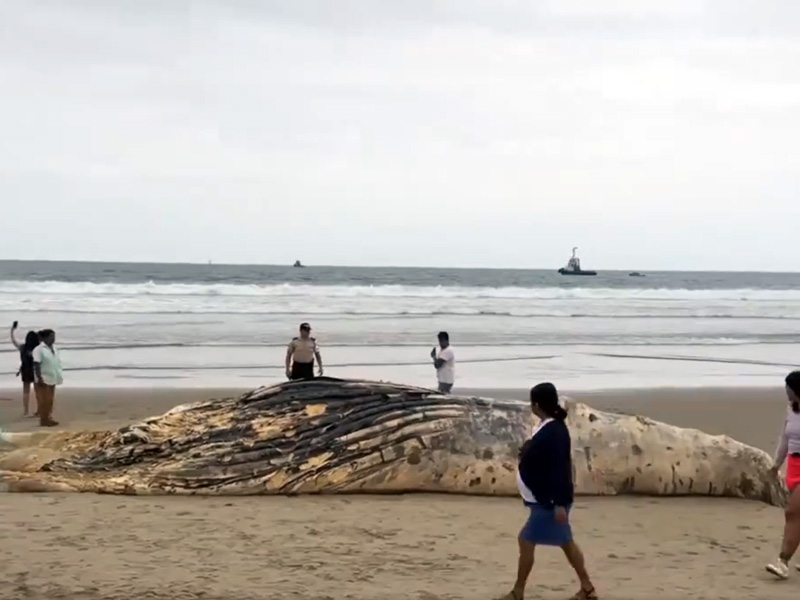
27, 374
302, 370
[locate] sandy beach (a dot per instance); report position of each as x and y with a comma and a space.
414, 546
200, 196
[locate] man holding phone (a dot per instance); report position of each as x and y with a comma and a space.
444, 361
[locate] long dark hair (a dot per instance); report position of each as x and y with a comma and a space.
545, 396
793, 383
31, 341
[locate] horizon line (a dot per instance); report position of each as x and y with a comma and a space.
321, 266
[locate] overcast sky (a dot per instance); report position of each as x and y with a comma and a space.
651, 134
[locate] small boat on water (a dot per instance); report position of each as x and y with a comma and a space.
636, 274
574, 266
298, 264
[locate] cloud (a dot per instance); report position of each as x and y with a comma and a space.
228, 129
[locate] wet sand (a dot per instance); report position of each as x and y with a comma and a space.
424, 547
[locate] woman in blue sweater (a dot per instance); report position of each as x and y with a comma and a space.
544, 478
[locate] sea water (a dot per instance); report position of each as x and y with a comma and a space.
219, 325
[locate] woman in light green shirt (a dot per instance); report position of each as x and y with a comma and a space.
47, 369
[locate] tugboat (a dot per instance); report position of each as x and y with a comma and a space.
298, 264
574, 266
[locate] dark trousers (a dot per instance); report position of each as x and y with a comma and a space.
302, 370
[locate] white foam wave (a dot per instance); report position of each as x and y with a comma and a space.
289, 291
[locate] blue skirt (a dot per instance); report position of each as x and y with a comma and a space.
542, 529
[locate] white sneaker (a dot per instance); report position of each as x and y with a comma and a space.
779, 568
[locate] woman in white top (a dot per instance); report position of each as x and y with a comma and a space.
789, 447
544, 478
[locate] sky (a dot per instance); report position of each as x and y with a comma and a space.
452, 133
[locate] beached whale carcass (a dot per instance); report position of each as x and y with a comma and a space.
342, 436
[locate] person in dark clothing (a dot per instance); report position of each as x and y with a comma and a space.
26, 365
544, 479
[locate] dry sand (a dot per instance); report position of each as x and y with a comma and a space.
91, 547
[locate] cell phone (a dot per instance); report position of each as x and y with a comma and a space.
15, 325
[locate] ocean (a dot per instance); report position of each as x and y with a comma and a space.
130, 325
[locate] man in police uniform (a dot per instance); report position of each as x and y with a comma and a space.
300, 355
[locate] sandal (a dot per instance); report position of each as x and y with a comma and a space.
585, 595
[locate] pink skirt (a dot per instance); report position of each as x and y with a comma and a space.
792, 472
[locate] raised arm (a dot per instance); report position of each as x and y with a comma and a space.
14, 341
444, 356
